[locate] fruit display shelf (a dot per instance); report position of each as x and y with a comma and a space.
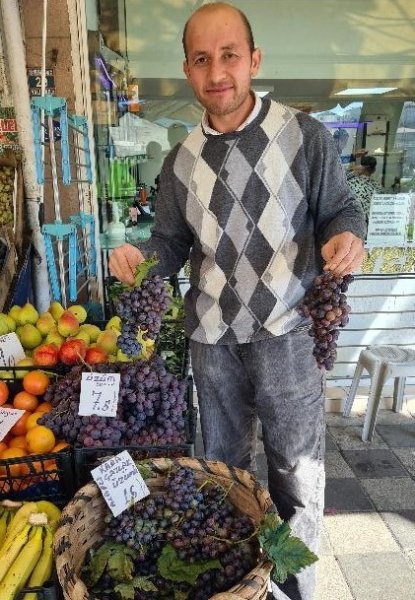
86, 459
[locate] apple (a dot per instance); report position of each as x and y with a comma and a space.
68, 324
72, 351
46, 355
97, 355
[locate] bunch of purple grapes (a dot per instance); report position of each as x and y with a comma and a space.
326, 303
141, 308
150, 410
199, 522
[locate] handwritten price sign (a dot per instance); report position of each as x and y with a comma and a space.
11, 350
120, 482
99, 394
8, 418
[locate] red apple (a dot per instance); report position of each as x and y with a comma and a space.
46, 355
72, 351
96, 355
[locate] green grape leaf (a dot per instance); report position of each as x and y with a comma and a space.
289, 554
118, 559
145, 469
145, 584
125, 590
171, 567
179, 595
143, 269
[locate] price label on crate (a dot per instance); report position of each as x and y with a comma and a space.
99, 394
11, 350
120, 482
8, 418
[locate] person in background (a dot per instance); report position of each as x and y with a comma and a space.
257, 197
362, 184
341, 137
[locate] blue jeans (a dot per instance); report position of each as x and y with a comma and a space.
276, 380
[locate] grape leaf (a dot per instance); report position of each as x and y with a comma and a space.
179, 595
289, 554
118, 559
143, 269
125, 590
144, 583
120, 564
171, 567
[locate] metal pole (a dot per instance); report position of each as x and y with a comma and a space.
15, 52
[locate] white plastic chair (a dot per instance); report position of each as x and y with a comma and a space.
382, 363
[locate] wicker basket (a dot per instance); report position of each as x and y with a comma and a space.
82, 521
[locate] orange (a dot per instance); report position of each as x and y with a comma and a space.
32, 420
25, 401
60, 446
4, 393
44, 407
32, 468
7, 405
18, 442
20, 427
15, 469
35, 382
40, 439
3, 446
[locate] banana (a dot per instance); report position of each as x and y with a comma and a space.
22, 567
15, 547
43, 570
52, 511
3, 525
17, 524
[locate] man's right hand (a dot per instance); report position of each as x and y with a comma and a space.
123, 262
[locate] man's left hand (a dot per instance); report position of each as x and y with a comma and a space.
343, 253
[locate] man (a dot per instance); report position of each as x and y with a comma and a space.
256, 195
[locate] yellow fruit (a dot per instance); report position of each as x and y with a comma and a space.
27, 315
40, 440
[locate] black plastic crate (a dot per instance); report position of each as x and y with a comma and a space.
50, 591
87, 459
173, 346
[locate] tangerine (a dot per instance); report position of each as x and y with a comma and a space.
14, 469
44, 407
25, 401
19, 428
60, 446
32, 421
35, 382
18, 442
3, 446
4, 392
40, 439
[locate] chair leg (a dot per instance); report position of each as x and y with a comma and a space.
398, 393
378, 380
348, 403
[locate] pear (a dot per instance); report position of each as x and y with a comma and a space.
114, 323
45, 323
54, 337
108, 341
14, 312
82, 335
27, 315
4, 326
24, 362
79, 312
29, 336
68, 324
122, 357
92, 330
56, 310
11, 323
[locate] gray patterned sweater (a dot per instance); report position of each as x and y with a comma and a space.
251, 208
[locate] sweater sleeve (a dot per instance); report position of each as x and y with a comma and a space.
171, 238
334, 207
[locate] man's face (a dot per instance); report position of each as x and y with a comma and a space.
220, 65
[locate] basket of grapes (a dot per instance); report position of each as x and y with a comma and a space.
205, 531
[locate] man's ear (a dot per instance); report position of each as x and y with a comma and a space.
256, 61
186, 69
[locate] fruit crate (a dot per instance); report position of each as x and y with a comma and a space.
37, 476
173, 346
49, 591
86, 459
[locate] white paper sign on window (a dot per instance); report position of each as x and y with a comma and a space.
388, 220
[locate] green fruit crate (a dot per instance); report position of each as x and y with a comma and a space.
86, 459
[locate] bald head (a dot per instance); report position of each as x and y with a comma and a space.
213, 7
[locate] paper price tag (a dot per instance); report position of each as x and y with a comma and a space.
11, 350
120, 482
99, 394
8, 418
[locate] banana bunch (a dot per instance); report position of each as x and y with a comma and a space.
26, 558
8, 509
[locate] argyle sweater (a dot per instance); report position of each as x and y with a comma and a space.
251, 209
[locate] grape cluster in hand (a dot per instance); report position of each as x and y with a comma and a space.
326, 303
141, 308
150, 410
199, 522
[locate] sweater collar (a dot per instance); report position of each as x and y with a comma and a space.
252, 115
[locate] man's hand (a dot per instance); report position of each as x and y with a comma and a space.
123, 262
343, 253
